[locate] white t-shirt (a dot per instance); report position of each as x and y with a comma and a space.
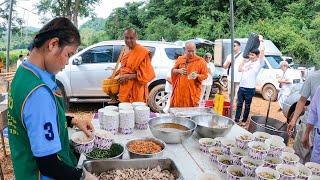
285, 87
237, 74
19, 62
250, 71
209, 80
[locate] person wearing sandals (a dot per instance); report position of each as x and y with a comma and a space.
250, 69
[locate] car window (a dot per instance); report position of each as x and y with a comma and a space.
100, 54
274, 61
171, 51
152, 49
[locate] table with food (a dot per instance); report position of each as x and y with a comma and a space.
129, 142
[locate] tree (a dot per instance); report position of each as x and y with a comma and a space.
97, 24
70, 9
4, 15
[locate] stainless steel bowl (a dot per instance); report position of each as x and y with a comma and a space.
133, 155
119, 156
173, 137
206, 125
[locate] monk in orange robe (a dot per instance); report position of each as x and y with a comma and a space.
187, 74
135, 71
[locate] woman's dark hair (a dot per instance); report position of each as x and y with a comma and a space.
61, 28
255, 51
177, 54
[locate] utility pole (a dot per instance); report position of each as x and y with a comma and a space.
232, 57
9, 36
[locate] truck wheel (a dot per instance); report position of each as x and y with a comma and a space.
158, 98
266, 89
60, 90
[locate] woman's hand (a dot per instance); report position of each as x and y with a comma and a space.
84, 125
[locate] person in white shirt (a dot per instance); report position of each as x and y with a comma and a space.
285, 83
250, 70
237, 74
19, 61
168, 87
207, 83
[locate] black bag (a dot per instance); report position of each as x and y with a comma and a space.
253, 43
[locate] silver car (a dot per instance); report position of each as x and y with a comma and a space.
80, 81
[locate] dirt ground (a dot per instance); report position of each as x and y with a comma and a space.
258, 106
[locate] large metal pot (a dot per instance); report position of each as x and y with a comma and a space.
257, 123
212, 126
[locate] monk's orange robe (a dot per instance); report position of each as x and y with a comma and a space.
186, 92
137, 61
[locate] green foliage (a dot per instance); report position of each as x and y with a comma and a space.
14, 55
98, 24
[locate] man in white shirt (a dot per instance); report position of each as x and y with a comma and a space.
19, 61
207, 83
250, 70
237, 74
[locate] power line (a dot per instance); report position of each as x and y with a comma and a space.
30, 11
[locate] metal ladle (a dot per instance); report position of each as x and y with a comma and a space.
269, 94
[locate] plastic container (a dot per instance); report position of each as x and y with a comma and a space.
226, 107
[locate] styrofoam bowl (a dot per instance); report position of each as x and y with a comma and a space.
223, 167
237, 154
215, 152
304, 172
243, 139
261, 170
314, 168
276, 147
256, 153
277, 138
248, 168
206, 143
274, 162
81, 143
233, 168
288, 149
227, 144
103, 139
285, 167
262, 136
290, 158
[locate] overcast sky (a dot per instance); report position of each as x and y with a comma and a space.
26, 7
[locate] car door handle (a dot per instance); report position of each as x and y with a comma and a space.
109, 68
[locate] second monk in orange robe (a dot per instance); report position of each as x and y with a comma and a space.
135, 71
186, 88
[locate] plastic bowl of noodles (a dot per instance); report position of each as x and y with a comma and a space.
81, 142
265, 173
235, 172
288, 172
103, 139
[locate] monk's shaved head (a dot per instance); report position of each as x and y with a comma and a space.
130, 37
190, 49
134, 31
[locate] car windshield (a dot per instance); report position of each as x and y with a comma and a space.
274, 61
171, 51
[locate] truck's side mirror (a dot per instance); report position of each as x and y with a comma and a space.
77, 61
265, 66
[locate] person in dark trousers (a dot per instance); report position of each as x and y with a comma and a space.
38, 133
250, 69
